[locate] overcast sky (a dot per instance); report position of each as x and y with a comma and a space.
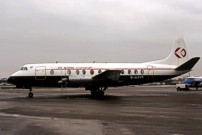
38, 31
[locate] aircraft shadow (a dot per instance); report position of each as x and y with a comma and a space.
72, 97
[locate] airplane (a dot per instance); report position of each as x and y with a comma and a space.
97, 77
190, 82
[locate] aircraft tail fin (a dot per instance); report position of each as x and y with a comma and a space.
177, 56
189, 64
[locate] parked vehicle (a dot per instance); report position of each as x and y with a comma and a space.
190, 82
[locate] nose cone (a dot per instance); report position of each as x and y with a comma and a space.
11, 80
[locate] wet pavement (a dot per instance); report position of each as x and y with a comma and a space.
123, 111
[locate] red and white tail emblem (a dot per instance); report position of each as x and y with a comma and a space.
180, 52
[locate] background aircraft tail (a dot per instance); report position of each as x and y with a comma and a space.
178, 55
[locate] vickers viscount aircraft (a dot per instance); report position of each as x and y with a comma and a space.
97, 77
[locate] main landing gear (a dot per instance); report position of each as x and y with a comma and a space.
98, 92
30, 94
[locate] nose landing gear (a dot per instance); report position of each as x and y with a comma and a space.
30, 94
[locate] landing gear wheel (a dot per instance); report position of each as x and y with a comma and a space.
30, 95
93, 93
97, 93
178, 89
101, 93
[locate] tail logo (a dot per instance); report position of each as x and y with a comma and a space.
180, 52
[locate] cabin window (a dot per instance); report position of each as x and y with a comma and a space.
122, 71
52, 72
99, 71
136, 71
84, 72
77, 72
142, 71
68, 72
91, 71
129, 71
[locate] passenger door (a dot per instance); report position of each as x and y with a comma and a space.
150, 71
40, 73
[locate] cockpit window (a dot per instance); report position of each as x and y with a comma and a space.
24, 68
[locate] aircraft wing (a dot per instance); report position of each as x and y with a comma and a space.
112, 75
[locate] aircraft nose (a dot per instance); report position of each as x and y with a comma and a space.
11, 79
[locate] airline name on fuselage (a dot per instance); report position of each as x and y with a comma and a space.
74, 68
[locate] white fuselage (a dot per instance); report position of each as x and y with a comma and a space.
81, 74
62, 69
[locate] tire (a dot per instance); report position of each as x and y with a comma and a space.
97, 94
30, 95
178, 89
187, 88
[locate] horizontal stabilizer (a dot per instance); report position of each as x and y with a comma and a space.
112, 75
189, 64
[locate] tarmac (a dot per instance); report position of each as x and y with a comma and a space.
140, 110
